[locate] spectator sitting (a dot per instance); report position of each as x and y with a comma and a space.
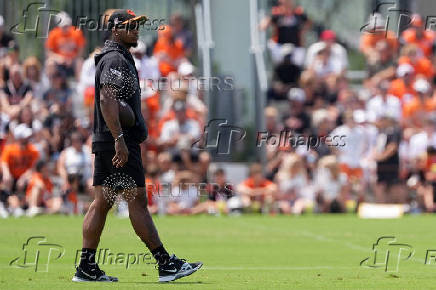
147, 66
418, 35
18, 160
374, 32
402, 87
65, 44
59, 92
422, 66
337, 53
39, 192
330, 185
181, 33
180, 132
384, 102
292, 196
290, 24
297, 120
75, 160
184, 197
17, 93
286, 75
33, 74
219, 191
423, 102
169, 51
256, 191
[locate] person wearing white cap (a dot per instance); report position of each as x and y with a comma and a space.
18, 160
420, 105
402, 87
355, 148
383, 101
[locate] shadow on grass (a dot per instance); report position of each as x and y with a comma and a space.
167, 283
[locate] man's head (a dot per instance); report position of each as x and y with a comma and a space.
22, 134
328, 37
124, 25
219, 176
179, 108
406, 72
383, 87
42, 168
256, 173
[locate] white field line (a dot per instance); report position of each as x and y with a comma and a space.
323, 238
230, 268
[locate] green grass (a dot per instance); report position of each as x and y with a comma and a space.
252, 252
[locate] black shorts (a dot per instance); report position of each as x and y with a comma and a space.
104, 170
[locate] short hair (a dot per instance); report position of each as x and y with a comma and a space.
39, 166
219, 171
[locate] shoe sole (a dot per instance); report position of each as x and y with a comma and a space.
77, 279
179, 275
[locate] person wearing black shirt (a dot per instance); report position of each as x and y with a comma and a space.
387, 159
118, 165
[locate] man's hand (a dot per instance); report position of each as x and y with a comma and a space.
121, 153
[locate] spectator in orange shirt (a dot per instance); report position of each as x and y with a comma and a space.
168, 51
421, 65
420, 105
39, 192
374, 32
65, 44
256, 191
18, 160
402, 87
418, 35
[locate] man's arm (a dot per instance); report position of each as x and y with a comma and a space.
110, 111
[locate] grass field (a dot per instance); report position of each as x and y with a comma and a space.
252, 252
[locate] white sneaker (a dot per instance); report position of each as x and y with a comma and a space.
3, 212
18, 212
33, 211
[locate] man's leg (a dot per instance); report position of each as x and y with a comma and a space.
142, 222
93, 225
95, 219
170, 268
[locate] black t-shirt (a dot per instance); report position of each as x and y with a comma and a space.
15, 95
386, 137
287, 73
115, 69
5, 39
288, 27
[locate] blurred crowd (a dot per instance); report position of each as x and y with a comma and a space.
388, 120
386, 124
